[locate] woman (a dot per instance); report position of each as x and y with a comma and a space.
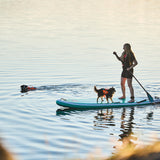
128, 62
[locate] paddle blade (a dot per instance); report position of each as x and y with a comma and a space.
150, 98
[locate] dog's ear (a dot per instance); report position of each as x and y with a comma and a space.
113, 89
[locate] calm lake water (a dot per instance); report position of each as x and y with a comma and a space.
66, 46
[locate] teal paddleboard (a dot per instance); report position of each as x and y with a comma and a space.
80, 104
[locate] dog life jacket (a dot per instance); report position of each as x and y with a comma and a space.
105, 91
31, 88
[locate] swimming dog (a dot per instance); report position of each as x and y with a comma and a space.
108, 93
25, 88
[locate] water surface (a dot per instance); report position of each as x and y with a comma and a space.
67, 47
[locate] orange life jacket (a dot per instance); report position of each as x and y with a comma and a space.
105, 91
31, 88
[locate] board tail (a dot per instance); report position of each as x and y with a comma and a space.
95, 89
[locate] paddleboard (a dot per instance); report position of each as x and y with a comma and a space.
80, 104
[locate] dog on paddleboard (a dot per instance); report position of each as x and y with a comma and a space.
107, 93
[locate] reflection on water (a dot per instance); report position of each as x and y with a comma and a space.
104, 119
150, 116
127, 125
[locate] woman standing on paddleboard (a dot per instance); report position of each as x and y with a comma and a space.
128, 63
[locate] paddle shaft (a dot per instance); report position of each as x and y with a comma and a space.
149, 96
138, 82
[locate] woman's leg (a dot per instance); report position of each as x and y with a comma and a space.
129, 81
123, 80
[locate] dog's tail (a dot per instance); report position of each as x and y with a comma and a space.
95, 89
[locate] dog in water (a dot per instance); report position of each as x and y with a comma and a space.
25, 88
107, 93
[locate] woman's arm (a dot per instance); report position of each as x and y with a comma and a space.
117, 57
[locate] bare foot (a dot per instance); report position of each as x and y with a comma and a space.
122, 97
131, 101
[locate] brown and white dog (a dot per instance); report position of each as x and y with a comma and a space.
108, 93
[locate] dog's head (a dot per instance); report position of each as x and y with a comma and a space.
24, 88
113, 90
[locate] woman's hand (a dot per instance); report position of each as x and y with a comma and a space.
114, 53
134, 64
129, 68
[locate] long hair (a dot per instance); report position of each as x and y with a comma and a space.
128, 47
128, 51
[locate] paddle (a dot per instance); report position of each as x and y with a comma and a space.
148, 95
